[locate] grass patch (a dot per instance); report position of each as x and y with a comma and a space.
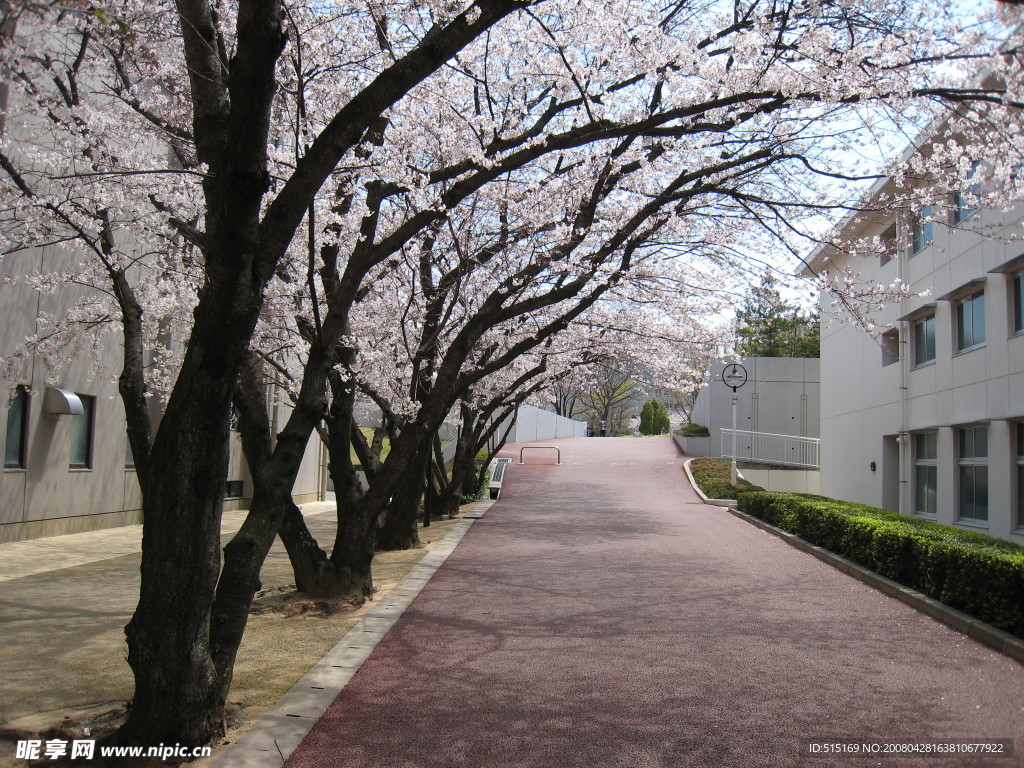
384, 451
972, 572
712, 477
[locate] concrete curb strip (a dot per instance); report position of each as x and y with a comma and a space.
728, 503
272, 738
995, 638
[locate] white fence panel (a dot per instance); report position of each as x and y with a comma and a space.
768, 448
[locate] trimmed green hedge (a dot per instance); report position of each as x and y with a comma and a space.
713, 475
693, 430
975, 573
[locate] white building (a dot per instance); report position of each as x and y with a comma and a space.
928, 419
67, 465
776, 421
780, 397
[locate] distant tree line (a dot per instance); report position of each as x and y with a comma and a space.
769, 326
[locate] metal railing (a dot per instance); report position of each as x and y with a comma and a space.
768, 448
558, 452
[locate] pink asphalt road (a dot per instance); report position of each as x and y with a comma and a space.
598, 615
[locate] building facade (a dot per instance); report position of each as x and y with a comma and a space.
780, 397
67, 464
775, 409
927, 417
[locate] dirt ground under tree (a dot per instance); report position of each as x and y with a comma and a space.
64, 666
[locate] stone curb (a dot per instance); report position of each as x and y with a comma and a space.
271, 739
727, 503
996, 639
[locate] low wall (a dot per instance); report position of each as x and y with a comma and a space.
693, 446
532, 424
785, 480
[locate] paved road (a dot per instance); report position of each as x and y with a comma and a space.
599, 616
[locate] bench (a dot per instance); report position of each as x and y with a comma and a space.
497, 476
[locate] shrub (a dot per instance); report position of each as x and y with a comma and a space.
693, 430
478, 494
713, 475
654, 418
972, 572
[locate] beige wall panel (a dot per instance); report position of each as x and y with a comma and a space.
132, 492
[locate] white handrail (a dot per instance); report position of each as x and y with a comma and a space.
771, 448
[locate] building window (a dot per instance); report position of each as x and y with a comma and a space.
921, 231
890, 347
970, 321
1020, 474
1018, 303
924, 340
925, 473
973, 475
888, 242
17, 429
81, 434
234, 489
965, 204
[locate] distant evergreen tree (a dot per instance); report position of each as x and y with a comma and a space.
654, 418
769, 326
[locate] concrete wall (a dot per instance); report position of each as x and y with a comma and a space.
693, 446
867, 418
532, 424
781, 396
47, 497
784, 480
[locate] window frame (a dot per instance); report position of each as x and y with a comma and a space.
889, 243
959, 316
929, 466
974, 465
890, 344
1017, 303
917, 325
922, 230
89, 416
961, 212
23, 397
1019, 462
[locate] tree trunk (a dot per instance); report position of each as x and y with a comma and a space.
400, 528
349, 568
240, 578
177, 690
463, 478
313, 571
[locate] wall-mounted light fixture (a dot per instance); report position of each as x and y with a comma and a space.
61, 402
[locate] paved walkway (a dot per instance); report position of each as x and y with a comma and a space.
64, 602
19, 559
599, 616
